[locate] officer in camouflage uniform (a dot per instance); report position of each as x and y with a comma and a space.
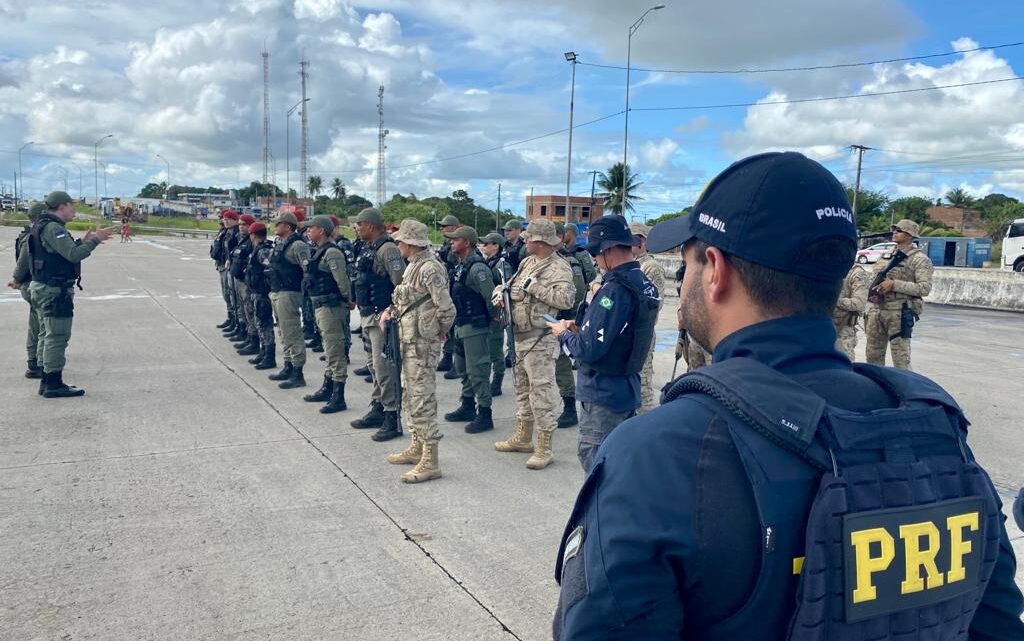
491, 247
853, 299
330, 293
236, 328
472, 285
425, 313
687, 348
582, 268
20, 280
905, 286
220, 257
257, 280
656, 274
249, 344
541, 285
448, 224
285, 272
55, 264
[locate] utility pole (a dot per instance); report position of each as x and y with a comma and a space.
571, 57
382, 133
497, 212
856, 188
80, 194
266, 118
304, 160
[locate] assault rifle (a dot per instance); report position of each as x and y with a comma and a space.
875, 296
392, 351
506, 320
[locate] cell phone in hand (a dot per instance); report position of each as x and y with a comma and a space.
548, 318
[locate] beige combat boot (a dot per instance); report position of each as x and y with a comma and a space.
410, 455
542, 452
427, 468
521, 441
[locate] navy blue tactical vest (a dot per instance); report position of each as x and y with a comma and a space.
895, 527
320, 283
217, 247
256, 273
46, 266
240, 258
283, 275
470, 306
629, 349
373, 290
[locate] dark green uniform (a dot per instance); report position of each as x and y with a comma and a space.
472, 286
563, 366
23, 276
498, 266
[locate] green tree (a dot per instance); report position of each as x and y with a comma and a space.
619, 188
338, 189
870, 205
314, 185
152, 190
660, 219
959, 198
999, 219
913, 208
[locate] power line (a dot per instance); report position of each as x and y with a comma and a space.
809, 68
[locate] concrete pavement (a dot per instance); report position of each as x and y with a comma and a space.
186, 496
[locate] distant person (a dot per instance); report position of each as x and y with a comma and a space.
126, 231
21, 280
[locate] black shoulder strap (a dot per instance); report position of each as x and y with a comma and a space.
772, 403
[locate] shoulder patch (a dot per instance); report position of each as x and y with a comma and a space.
332, 264
396, 264
573, 545
606, 302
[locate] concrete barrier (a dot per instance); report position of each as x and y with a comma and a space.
967, 287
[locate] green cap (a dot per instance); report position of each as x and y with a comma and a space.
513, 224
370, 215
493, 238
449, 220
288, 217
559, 228
323, 222
57, 198
465, 233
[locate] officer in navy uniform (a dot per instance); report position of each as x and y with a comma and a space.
258, 281
783, 492
614, 338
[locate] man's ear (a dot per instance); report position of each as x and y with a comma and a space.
718, 275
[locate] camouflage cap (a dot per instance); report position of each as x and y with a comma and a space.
465, 233
908, 226
370, 215
412, 232
449, 220
289, 218
494, 238
542, 230
560, 229
513, 224
323, 222
638, 229
57, 198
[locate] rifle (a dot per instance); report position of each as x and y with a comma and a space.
506, 319
392, 351
875, 296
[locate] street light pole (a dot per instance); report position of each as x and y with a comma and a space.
288, 149
20, 193
167, 192
79, 177
96, 168
625, 134
571, 57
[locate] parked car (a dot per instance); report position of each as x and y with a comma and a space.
875, 252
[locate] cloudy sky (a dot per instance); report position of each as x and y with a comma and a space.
183, 79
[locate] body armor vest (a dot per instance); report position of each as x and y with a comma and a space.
470, 306
217, 247
629, 349
373, 290
256, 272
283, 275
49, 267
579, 281
19, 244
320, 283
240, 258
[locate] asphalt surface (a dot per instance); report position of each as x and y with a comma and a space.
186, 496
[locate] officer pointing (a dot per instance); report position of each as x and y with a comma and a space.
782, 492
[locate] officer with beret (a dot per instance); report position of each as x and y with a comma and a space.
55, 264
656, 274
491, 246
285, 275
258, 281
614, 337
224, 244
783, 492
248, 344
20, 280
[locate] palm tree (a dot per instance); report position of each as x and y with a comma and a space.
616, 199
338, 189
959, 198
314, 185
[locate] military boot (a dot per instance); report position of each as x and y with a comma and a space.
56, 388
410, 455
259, 356
337, 401
322, 394
465, 412
249, 348
452, 374
269, 357
240, 335
427, 469
496, 380
389, 429
373, 418
284, 374
314, 343
224, 324
568, 417
521, 441
541, 453
42, 384
33, 370
295, 380
445, 364
361, 371
230, 327
482, 422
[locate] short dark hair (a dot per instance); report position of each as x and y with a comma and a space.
780, 293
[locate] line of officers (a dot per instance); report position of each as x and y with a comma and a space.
472, 309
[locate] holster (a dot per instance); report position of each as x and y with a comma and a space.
63, 306
907, 319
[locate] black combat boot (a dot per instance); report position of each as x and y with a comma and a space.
225, 323
269, 357
465, 412
337, 402
361, 371
308, 333
452, 374
42, 383
315, 342
241, 335
389, 429
445, 364
482, 422
373, 418
568, 418
230, 327
55, 387
322, 394
295, 380
258, 357
252, 346
509, 362
33, 370
496, 381
284, 374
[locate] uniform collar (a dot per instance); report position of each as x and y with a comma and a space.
421, 255
793, 344
624, 267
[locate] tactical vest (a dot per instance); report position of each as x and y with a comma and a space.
511, 254
240, 258
283, 275
629, 349
320, 283
373, 290
498, 265
346, 247
898, 525
579, 281
18, 248
217, 247
46, 266
256, 272
230, 242
470, 306
581, 250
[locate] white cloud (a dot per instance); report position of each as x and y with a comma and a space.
654, 154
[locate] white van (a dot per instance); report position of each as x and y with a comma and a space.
1013, 246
